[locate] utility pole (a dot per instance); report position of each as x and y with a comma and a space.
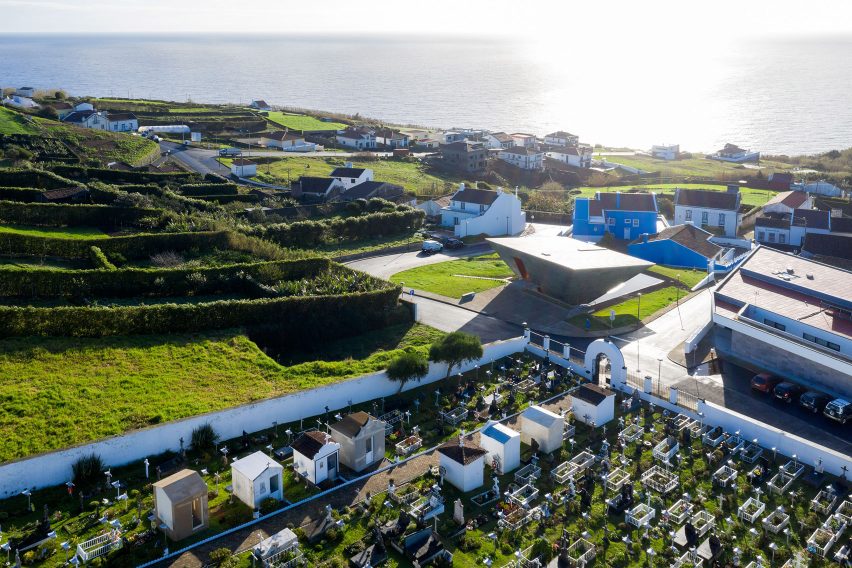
638, 327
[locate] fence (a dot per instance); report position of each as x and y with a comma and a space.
54, 468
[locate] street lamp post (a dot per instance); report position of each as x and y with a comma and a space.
680, 317
638, 326
659, 372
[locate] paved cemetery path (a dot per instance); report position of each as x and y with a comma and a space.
306, 513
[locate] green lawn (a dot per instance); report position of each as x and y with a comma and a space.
56, 233
697, 166
411, 175
447, 278
752, 197
302, 122
686, 276
625, 312
12, 122
61, 391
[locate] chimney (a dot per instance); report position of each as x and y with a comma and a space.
733, 188
461, 186
644, 237
348, 164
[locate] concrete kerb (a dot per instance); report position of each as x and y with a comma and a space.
253, 522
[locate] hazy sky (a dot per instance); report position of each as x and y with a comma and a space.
563, 22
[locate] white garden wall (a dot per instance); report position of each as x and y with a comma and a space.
54, 468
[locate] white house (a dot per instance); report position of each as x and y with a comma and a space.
562, 138
503, 443
593, 404
392, 138
357, 138
523, 157
484, 212
498, 140
349, 176
180, 503
463, 464
522, 139
665, 151
88, 119
433, 207
789, 201
316, 456
733, 153
361, 438
243, 168
18, 101
28, 92
285, 141
708, 208
257, 477
122, 122
544, 427
260, 105
790, 229
574, 156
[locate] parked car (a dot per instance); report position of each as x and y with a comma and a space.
814, 401
787, 391
453, 244
839, 409
230, 152
431, 247
764, 382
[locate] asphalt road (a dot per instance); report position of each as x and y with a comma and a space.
447, 317
388, 265
196, 159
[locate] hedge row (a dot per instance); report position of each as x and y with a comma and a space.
118, 176
353, 312
60, 215
20, 194
34, 179
306, 234
107, 194
98, 258
139, 246
200, 189
129, 282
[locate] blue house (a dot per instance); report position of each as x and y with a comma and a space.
625, 215
684, 246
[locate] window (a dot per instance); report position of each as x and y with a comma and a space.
462, 205
771, 237
635, 222
689, 214
610, 221
704, 217
369, 447
627, 221
456, 221
820, 341
721, 219
761, 235
274, 483
775, 324
782, 238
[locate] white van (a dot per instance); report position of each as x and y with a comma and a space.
431, 247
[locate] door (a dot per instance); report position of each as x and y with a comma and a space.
368, 455
332, 466
626, 233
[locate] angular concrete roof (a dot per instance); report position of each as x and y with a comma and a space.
568, 252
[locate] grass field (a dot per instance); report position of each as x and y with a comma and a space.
56, 233
448, 278
696, 166
753, 197
12, 122
411, 175
302, 122
625, 312
61, 391
686, 276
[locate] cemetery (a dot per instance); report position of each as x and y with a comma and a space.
610, 495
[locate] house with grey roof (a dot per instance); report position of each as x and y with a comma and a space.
257, 477
361, 438
709, 209
475, 211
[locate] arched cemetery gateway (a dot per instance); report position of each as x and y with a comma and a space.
598, 352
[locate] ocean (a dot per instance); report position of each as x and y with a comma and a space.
778, 96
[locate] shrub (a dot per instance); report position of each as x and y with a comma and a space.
99, 259
166, 259
59, 215
86, 472
220, 555
268, 505
203, 438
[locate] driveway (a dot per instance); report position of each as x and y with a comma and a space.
387, 266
